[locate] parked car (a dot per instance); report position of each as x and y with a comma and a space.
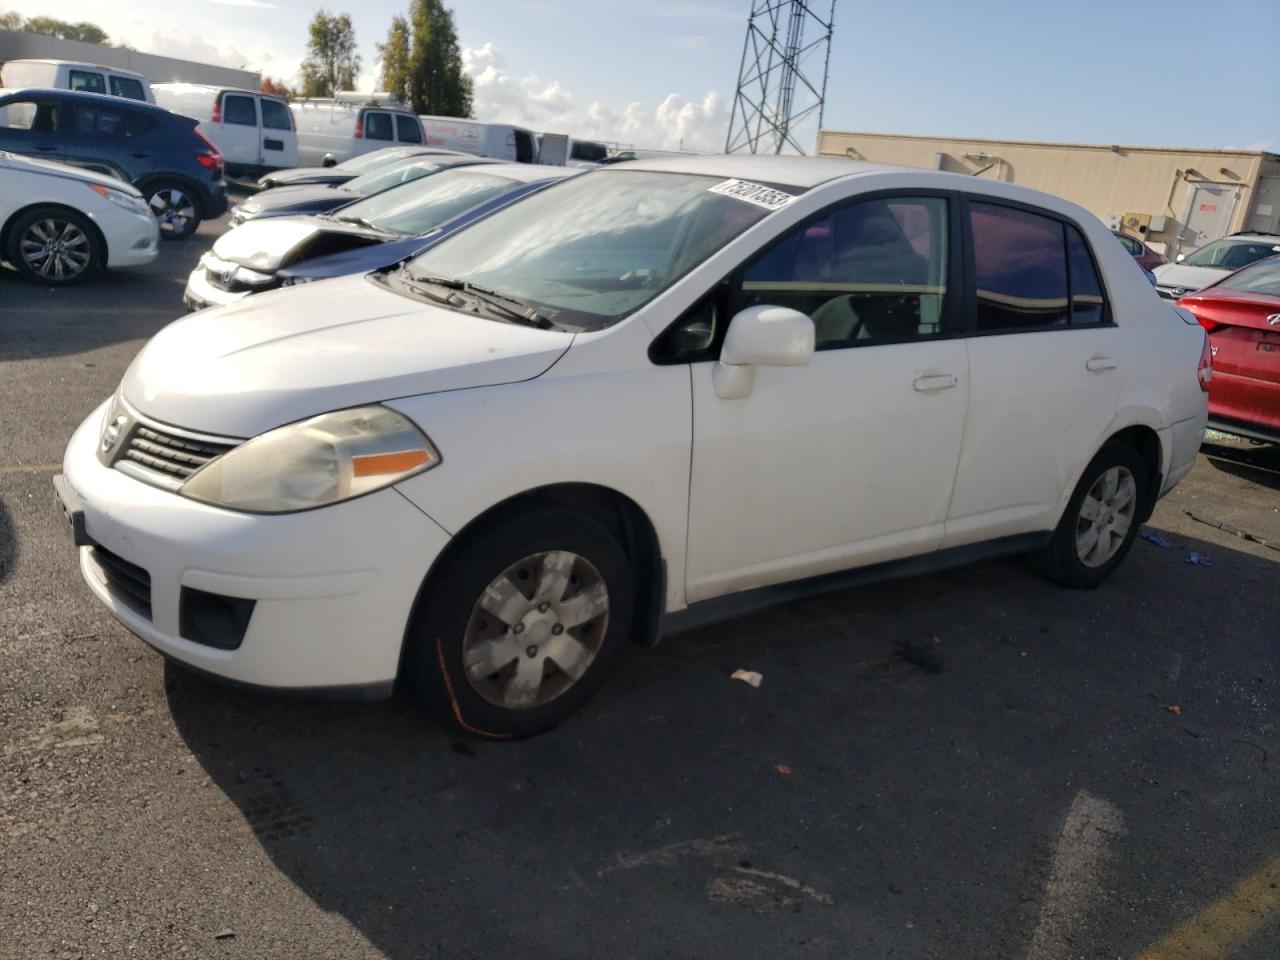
61, 225
253, 130
370, 234
73, 75
1242, 315
638, 400
1147, 258
347, 170
318, 198
501, 141
160, 153
1212, 262
331, 130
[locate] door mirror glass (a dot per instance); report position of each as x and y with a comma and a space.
770, 336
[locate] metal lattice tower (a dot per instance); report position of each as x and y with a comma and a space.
777, 96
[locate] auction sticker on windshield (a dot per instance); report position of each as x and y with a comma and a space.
756, 193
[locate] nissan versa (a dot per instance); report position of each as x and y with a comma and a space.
642, 398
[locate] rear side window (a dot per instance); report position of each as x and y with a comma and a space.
408, 129
100, 122
127, 87
377, 126
275, 115
86, 81
1088, 305
1019, 267
238, 109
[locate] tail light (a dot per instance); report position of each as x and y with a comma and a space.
1204, 372
359, 135
210, 159
217, 110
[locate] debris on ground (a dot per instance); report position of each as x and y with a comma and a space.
1163, 542
936, 639
1198, 559
1173, 708
783, 769
1234, 531
226, 933
747, 676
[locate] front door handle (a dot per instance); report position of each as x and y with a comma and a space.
934, 382
1097, 364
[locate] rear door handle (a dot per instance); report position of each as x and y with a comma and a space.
1098, 364
934, 382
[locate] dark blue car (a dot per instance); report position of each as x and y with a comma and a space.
370, 234
177, 170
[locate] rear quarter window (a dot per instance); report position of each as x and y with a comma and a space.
87, 81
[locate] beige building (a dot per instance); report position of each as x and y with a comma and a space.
1174, 199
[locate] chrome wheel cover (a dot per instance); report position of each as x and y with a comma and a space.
535, 630
1106, 514
55, 249
173, 209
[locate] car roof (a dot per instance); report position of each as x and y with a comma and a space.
1252, 238
80, 63
796, 172
102, 98
531, 172
218, 88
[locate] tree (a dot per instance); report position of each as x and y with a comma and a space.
274, 86
11, 20
437, 84
332, 63
53, 27
395, 59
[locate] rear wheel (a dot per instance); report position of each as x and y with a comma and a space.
175, 210
1100, 522
522, 625
54, 246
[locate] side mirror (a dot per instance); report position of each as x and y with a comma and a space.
761, 336
1179, 258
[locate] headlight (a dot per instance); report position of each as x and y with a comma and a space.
316, 462
124, 201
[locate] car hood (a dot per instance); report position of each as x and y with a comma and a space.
52, 167
278, 357
279, 200
359, 259
1189, 278
266, 245
303, 175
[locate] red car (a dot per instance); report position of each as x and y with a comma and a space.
1242, 314
1145, 256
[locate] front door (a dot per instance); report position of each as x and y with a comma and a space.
849, 459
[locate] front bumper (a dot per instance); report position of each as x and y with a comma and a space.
334, 587
133, 240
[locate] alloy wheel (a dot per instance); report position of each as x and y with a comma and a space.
536, 629
1106, 514
173, 210
55, 249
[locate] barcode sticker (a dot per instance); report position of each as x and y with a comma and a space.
756, 193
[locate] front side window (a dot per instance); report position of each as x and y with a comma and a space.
275, 115
1130, 244
420, 208
591, 249
127, 87
377, 126
871, 271
1019, 267
36, 116
239, 110
408, 129
392, 176
87, 81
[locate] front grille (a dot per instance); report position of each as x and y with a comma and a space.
127, 581
173, 455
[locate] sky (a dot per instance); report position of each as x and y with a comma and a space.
662, 73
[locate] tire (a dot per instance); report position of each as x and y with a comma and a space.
54, 246
577, 562
175, 207
1084, 550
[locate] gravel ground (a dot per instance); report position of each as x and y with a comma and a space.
971, 764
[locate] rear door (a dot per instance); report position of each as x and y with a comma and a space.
239, 136
1045, 364
279, 140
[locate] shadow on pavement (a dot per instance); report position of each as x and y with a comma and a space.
8, 544
898, 782
1257, 463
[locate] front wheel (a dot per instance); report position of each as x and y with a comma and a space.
175, 210
522, 625
54, 246
1100, 522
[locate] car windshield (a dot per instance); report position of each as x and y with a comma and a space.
366, 162
1230, 254
590, 250
402, 171
419, 207
1263, 277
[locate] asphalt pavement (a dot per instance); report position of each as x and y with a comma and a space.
975, 764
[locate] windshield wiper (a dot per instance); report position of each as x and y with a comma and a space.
511, 307
424, 285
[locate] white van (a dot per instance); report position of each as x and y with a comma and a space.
68, 75
498, 140
331, 130
253, 130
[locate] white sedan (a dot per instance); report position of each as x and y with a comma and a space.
61, 224
649, 396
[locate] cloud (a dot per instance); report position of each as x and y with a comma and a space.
244, 3
545, 105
